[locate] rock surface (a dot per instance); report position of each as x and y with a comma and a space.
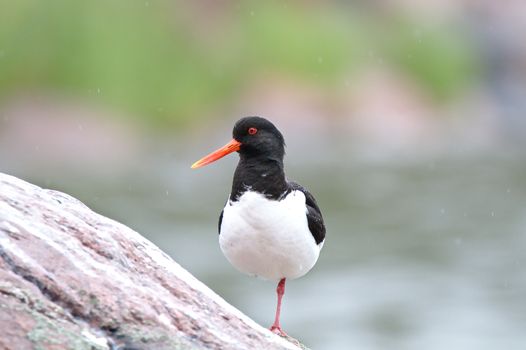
73, 279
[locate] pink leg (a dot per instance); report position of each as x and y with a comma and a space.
276, 327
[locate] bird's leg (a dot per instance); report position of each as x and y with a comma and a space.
276, 327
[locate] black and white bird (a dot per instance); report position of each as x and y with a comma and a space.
270, 227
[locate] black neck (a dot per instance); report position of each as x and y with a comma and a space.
262, 174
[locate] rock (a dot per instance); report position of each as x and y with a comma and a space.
73, 279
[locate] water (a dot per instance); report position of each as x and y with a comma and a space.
421, 253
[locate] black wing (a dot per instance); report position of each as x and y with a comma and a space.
220, 221
314, 217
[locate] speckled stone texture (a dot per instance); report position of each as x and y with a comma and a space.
73, 279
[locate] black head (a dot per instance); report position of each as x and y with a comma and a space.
261, 149
255, 138
259, 137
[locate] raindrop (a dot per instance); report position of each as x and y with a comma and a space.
98, 91
252, 13
320, 60
442, 211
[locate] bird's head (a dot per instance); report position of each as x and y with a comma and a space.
252, 137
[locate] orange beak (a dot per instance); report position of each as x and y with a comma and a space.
230, 147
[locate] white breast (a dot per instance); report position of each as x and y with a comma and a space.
268, 238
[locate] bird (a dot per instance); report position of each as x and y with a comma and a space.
270, 227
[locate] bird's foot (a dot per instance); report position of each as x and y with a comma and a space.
277, 330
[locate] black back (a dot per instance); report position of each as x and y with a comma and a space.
261, 169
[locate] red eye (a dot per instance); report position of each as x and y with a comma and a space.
252, 131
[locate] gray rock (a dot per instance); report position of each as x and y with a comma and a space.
73, 279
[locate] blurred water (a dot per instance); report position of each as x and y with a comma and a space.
421, 253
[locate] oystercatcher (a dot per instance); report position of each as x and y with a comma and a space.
270, 227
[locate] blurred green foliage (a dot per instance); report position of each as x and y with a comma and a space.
168, 61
